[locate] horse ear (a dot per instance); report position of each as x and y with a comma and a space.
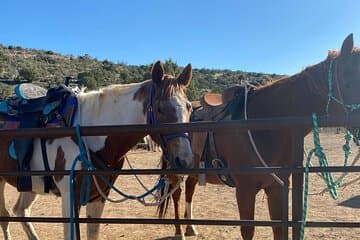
186, 76
157, 72
347, 45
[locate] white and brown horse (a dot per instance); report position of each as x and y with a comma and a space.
113, 105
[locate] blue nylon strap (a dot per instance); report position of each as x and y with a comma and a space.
168, 137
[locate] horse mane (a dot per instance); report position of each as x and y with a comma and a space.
95, 98
332, 54
111, 89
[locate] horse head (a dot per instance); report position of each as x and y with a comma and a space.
344, 78
168, 103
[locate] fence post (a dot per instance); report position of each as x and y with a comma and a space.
285, 217
297, 148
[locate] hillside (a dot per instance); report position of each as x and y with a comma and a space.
48, 69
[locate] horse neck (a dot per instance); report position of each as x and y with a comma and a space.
111, 107
298, 95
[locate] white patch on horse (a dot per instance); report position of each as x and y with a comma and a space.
70, 153
94, 210
113, 105
180, 105
188, 210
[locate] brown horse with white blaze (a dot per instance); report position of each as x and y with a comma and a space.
159, 100
299, 95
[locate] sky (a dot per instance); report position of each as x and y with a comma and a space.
269, 36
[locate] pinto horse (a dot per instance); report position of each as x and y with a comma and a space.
299, 95
161, 100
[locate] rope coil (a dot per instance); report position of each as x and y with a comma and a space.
328, 178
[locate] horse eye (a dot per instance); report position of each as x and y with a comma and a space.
189, 107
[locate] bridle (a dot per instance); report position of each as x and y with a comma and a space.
333, 86
348, 108
151, 119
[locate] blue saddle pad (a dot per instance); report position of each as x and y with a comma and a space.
3, 107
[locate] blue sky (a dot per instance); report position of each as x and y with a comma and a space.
272, 36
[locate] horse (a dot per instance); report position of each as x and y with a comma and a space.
161, 99
329, 87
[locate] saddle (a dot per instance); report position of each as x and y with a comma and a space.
216, 107
35, 107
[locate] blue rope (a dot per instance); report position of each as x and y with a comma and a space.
82, 157
85, 189
160, 184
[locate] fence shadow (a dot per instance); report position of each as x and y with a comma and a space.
353, 202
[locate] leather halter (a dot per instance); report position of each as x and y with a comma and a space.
151, 119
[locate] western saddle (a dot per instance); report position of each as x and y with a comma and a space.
34, 107
216, 107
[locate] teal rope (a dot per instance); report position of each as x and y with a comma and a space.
323, 162
347, 107
85, 189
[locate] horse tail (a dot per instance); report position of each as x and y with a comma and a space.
162, 208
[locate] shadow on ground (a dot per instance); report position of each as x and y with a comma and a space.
353, 202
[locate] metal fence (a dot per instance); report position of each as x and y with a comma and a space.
297, 170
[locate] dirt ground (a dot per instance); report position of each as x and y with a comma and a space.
211, 202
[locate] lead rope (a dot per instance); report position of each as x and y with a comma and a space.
86, 183
157, 200
318, 151
331, 184
277, 179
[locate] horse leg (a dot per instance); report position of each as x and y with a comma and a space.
22, 208
275, 203
65, 208
3, 211
245, 197
94, 210
190, 185
176, 199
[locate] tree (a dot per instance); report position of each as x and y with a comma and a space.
27, 73
88, 80
171, 67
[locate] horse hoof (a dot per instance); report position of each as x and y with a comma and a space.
179, 237
190, 231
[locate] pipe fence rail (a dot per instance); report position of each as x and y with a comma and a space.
297, 169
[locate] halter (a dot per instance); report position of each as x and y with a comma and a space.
151, 119
347, 107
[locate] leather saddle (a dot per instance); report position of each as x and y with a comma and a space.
218, 106
32, 107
